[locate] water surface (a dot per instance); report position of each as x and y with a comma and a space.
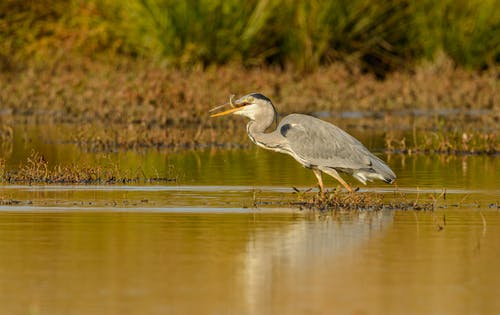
220, 240
99, 262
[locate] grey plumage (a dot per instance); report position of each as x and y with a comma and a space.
314, 143
317, 143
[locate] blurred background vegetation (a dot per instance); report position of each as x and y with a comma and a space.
380, 36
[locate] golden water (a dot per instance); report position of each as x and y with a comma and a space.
95, 262
200, 246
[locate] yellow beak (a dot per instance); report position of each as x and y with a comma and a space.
227, 112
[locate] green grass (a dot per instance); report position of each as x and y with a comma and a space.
381, 36
192, 32
467, 31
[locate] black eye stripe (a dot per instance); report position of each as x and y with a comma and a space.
260, 97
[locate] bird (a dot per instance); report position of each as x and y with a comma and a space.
316, 144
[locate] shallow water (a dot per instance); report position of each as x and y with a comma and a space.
93, 261
221, 239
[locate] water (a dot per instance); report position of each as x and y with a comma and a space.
100, 262
202, 246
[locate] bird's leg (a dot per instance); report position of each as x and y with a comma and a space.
333, 173
320, 180
346, 185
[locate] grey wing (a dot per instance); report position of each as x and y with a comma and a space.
314, 142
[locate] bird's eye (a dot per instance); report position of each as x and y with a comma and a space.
249, 99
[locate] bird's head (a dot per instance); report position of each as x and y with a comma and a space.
255, 106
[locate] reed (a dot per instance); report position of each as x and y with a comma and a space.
380, 36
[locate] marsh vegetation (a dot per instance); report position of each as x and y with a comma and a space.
117, 188
133, 77
379, 36
438, 108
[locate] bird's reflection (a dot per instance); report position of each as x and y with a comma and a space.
283, 256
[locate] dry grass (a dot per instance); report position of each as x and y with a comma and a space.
134, 105
366, 201
35, 170
454, 142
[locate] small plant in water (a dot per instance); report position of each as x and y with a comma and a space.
337, 200
36, 170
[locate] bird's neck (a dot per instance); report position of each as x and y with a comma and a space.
256, 131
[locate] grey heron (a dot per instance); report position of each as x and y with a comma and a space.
314, 143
